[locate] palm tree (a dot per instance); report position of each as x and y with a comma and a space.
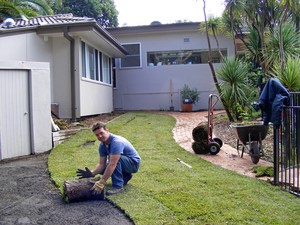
234, 9
17, 8
215, 27
8, 9
212, 67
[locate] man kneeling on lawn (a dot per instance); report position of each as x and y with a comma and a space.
118, 160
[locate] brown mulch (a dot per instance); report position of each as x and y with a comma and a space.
86, 121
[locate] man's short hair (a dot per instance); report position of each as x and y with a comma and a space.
98, 125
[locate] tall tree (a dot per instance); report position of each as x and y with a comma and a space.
212, 67
234, 8
214, 27
104, 11
262, 17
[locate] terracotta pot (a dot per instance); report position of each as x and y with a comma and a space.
187, 107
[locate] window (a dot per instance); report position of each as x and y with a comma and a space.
89, 62
106, 70
95, 65
133, 59
160, 58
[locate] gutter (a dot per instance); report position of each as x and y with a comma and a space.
110, 38
72, 69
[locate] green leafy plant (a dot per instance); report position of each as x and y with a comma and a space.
189, 95
247, 113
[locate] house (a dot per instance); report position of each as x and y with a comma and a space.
80, 54
61, 60
86, 70
161, 59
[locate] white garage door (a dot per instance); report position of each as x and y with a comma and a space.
14, 114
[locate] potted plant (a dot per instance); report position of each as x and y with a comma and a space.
189, 97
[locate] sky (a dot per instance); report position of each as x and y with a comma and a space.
143, 12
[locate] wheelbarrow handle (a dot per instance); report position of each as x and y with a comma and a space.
211, 105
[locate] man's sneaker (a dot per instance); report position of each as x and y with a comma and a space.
127, 178
114, 191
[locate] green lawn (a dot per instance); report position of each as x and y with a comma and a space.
165, 191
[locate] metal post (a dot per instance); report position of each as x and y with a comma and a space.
276, 155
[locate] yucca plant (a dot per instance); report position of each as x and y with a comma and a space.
290, 77
291, 45
237, 90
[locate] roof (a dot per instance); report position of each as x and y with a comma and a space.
44, 21
156, 28
57, 23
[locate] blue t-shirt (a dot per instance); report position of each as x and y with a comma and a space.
119, 145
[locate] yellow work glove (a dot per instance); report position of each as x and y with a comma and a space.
98, 187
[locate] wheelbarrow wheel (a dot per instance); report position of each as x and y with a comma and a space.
254, 152
219, 141
255, 159
213, 148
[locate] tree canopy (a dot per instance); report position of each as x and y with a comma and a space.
104, 11
269, 30
29, 8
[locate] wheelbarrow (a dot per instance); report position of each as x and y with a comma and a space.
213, 144
251, 136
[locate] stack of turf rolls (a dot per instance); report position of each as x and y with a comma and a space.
200, 135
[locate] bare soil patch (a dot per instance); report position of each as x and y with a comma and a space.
86, 122
223, 130
29, 197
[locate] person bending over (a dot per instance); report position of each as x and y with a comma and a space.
118, 160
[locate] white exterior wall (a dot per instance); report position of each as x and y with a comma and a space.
40, 134
56, 51
94, 97
28, 47
148, 88
61, 82
41, 107
25, 47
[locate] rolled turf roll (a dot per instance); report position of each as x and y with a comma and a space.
200, 147
80, 190
200, 133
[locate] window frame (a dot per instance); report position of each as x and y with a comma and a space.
98, 75
183, 57
139, 55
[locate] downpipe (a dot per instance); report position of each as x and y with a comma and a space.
72, 69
